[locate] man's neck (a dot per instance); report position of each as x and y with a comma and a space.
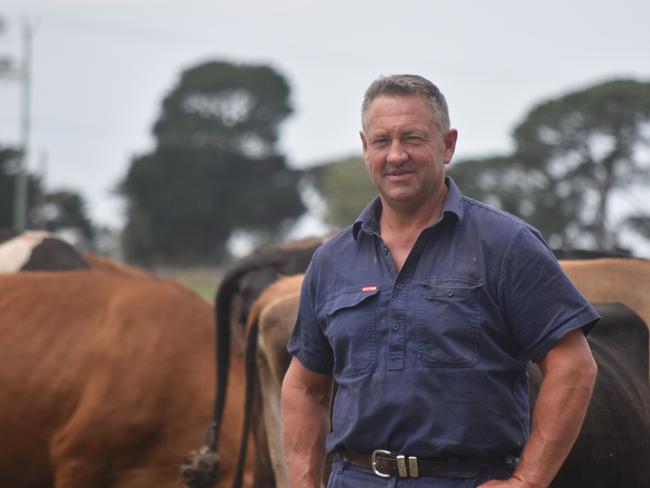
411, 219
400, 227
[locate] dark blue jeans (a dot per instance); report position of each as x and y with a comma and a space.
346, 475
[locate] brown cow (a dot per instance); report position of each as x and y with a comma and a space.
262, 367
270, 314
102, 263
106, 380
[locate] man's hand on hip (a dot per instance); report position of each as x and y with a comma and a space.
513, 482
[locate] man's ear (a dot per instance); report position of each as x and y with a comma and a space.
449, 140
364, 142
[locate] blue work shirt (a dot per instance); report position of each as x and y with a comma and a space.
431, 361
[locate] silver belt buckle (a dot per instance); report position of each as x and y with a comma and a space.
373, 459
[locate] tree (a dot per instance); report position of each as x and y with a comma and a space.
230, 108
54, 211
215, 168
345, 186
578, 149
571, 154
66, 209
504, 182
639, 223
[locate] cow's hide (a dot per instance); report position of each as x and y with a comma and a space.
106, 380
615, 436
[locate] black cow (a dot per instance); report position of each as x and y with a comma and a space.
613, 448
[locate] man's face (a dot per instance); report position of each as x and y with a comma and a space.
405, 151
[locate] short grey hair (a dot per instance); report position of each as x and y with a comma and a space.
408, 85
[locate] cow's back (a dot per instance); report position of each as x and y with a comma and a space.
621, 280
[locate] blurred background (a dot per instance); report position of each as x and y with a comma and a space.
179, 135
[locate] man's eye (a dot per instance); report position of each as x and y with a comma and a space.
414, 139
379, 142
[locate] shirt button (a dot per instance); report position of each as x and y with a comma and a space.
400, 286
395, 326
385, 249
450, 293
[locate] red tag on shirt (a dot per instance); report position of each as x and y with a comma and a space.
368, 288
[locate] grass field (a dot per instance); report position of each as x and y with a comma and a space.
203, 280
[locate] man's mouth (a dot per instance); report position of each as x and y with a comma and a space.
399, 172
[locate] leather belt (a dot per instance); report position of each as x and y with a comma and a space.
386, 464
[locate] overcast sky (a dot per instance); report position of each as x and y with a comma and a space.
101, 68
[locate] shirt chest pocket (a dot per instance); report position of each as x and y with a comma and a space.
448, 324
350, 330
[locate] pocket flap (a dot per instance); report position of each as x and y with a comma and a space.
448, 290
351, 298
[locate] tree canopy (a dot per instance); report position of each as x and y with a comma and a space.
215, 169
66, 209
226, 107
345, 186
571, 154
587, 144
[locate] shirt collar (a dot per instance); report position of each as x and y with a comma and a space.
368, 220
454, 201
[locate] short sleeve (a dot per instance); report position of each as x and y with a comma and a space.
307, 342
541, 304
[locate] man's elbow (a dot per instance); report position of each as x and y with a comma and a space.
572, 362
589, 370
583, 370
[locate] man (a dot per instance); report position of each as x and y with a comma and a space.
425, 313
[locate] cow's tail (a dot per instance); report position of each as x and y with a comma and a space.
272, 259
249, 397
201, 468
222, 313
204, 463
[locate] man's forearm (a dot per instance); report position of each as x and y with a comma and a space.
560, 410
305, 423
569, 375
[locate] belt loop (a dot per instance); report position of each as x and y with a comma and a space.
402, 469
453, 466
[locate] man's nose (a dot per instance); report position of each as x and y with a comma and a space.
396, 154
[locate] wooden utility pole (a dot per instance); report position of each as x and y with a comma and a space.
20, 190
